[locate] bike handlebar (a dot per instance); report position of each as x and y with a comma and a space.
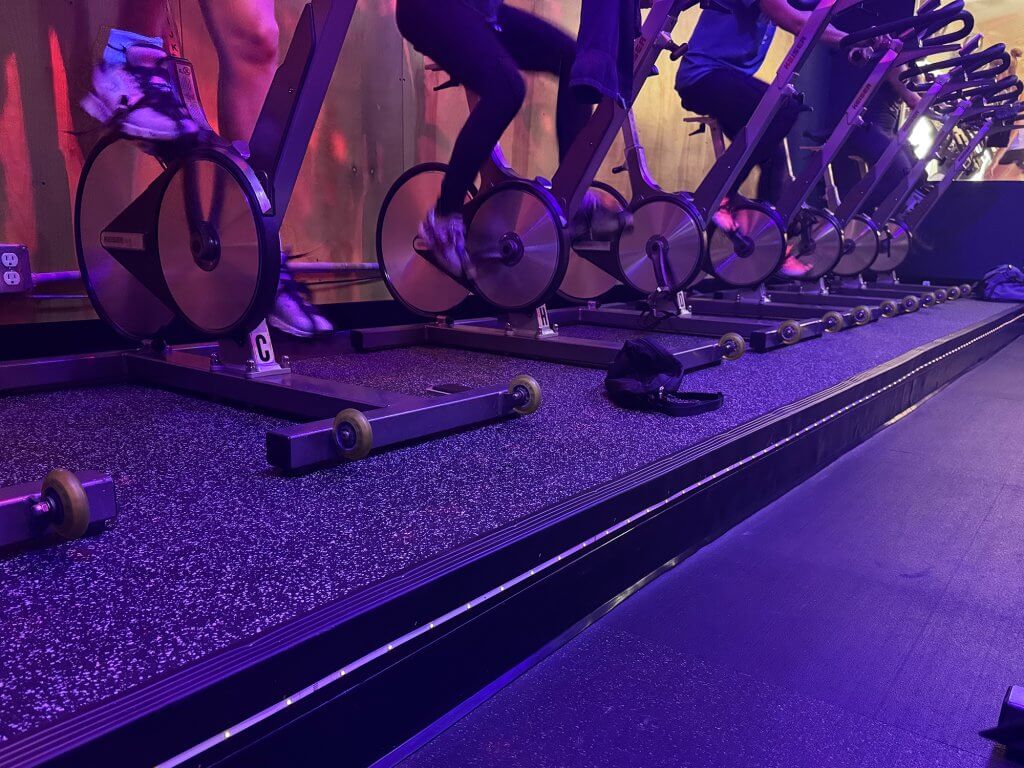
991, 62
923, 25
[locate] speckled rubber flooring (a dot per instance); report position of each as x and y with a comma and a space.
211, 547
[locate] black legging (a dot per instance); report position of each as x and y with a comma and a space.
488, 62
731, 97
867, 143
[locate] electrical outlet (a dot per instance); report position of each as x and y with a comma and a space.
15, 269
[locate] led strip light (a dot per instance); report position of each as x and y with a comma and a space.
362, 661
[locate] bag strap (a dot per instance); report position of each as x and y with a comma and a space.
687, 403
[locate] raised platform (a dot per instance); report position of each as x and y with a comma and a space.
873, 616
229, 600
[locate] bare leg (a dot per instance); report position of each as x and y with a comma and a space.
143, 17
246, 37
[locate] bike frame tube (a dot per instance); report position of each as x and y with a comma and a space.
584, 158
854, 202
727, 169
920, 211
296, 96
909, 183
795, 195
641, 182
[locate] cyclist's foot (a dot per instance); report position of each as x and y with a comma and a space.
445, 237
596, 221
295, 314
723, 219
131, 89
793, 267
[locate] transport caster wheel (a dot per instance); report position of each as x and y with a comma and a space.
941, 295
889, 308
790, 331
910, 304
929, 300
862, 314
353, 434
965, 290
833, 322
733, 346
953, 293
64, 502
526, 394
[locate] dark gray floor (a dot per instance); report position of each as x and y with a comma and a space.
212, 548
874, 616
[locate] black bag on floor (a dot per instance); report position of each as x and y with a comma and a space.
1002, 284
646, 377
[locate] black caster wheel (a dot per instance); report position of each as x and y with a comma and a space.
733, 346
953, 293
353, 434
929, 299
526, 394
66, 504
861, 315
889, 308
910, 304
790, 331
833, 322
965, 290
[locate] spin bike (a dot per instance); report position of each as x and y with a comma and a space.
995, 120
852, 243
862, 237
517, 236
970, 100
674, 232
188, 235
814, 235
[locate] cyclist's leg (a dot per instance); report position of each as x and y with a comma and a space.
538, 46
245, 35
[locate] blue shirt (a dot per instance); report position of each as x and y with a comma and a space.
738, 40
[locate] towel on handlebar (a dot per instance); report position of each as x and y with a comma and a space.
1004, 283
604, 50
